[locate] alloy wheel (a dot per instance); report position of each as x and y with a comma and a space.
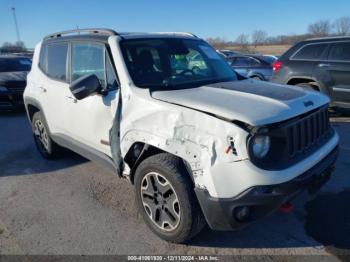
160, 201
41, 134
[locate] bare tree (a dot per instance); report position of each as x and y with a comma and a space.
342, 25
242, 40
8, 47
320, 28
217, 42
259, 37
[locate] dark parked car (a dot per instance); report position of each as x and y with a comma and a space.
13, 74
320, 64
258, 67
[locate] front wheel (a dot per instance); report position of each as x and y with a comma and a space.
166, 200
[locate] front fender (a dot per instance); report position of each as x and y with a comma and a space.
199, 139
196, 155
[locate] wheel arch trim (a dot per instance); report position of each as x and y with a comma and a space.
30, 101
190, 153
321, 86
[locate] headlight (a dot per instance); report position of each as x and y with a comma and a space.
260, 145
2, 88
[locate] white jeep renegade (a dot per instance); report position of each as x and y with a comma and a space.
203, 145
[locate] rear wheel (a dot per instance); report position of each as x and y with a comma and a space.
166, 200
45, 145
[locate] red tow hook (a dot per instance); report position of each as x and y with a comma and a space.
287, 208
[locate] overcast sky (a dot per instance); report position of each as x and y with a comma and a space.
205, 18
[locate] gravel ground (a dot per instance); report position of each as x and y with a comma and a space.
73, 206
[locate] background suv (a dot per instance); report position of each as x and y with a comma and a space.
319, 64
13, 74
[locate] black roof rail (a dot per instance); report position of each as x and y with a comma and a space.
102, 31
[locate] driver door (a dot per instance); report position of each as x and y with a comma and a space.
89, 120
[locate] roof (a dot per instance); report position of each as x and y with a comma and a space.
327, 39
102, 34
134, 35
99, 38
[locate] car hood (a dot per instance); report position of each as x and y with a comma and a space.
253, 102
12, 76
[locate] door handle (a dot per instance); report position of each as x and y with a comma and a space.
72, 99
324, 65
42, 89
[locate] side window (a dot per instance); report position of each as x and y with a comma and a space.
112, 83
43, 58
241, 61
339, 52
310, 52
254, 62
88, 58
57, 61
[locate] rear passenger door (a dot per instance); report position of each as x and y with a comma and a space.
90, 119
52, 86
338, 68
306, 61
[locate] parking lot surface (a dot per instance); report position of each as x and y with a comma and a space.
73, 206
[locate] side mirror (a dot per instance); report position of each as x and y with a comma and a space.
85, 86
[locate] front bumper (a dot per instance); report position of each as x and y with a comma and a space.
226, 213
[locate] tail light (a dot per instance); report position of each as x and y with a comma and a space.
276, 66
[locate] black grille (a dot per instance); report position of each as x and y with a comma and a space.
307, 131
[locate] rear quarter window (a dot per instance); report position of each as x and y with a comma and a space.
310, 52
53, 60
43, 58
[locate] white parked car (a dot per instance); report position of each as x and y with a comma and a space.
198, 148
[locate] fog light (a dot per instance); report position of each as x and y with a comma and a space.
242, 213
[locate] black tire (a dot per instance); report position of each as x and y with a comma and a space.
42, 137
171, 169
